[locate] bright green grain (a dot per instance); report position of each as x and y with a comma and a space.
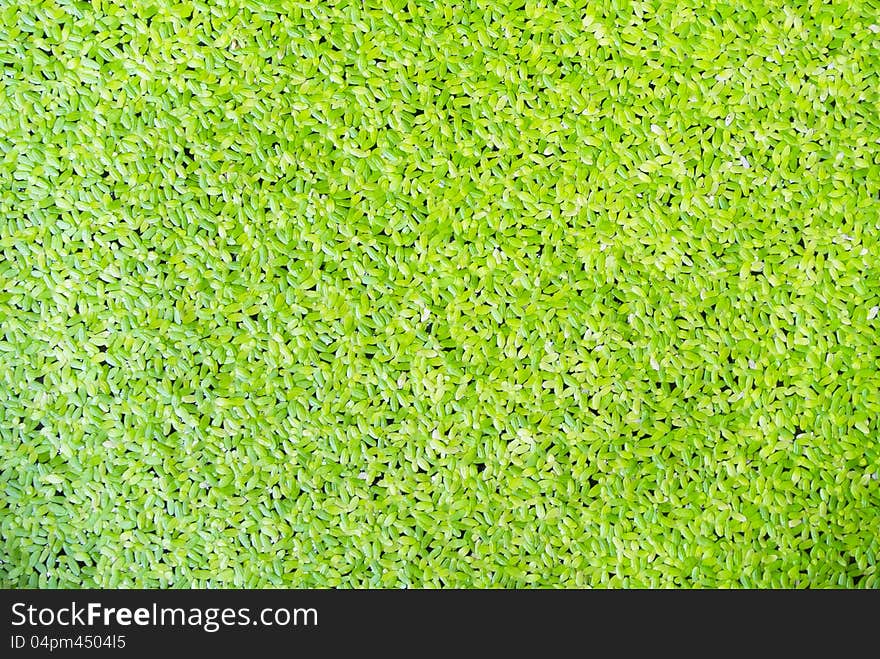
405, 294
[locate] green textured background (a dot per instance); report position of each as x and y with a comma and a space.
475, 294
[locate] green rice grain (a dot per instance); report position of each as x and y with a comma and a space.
392, 293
